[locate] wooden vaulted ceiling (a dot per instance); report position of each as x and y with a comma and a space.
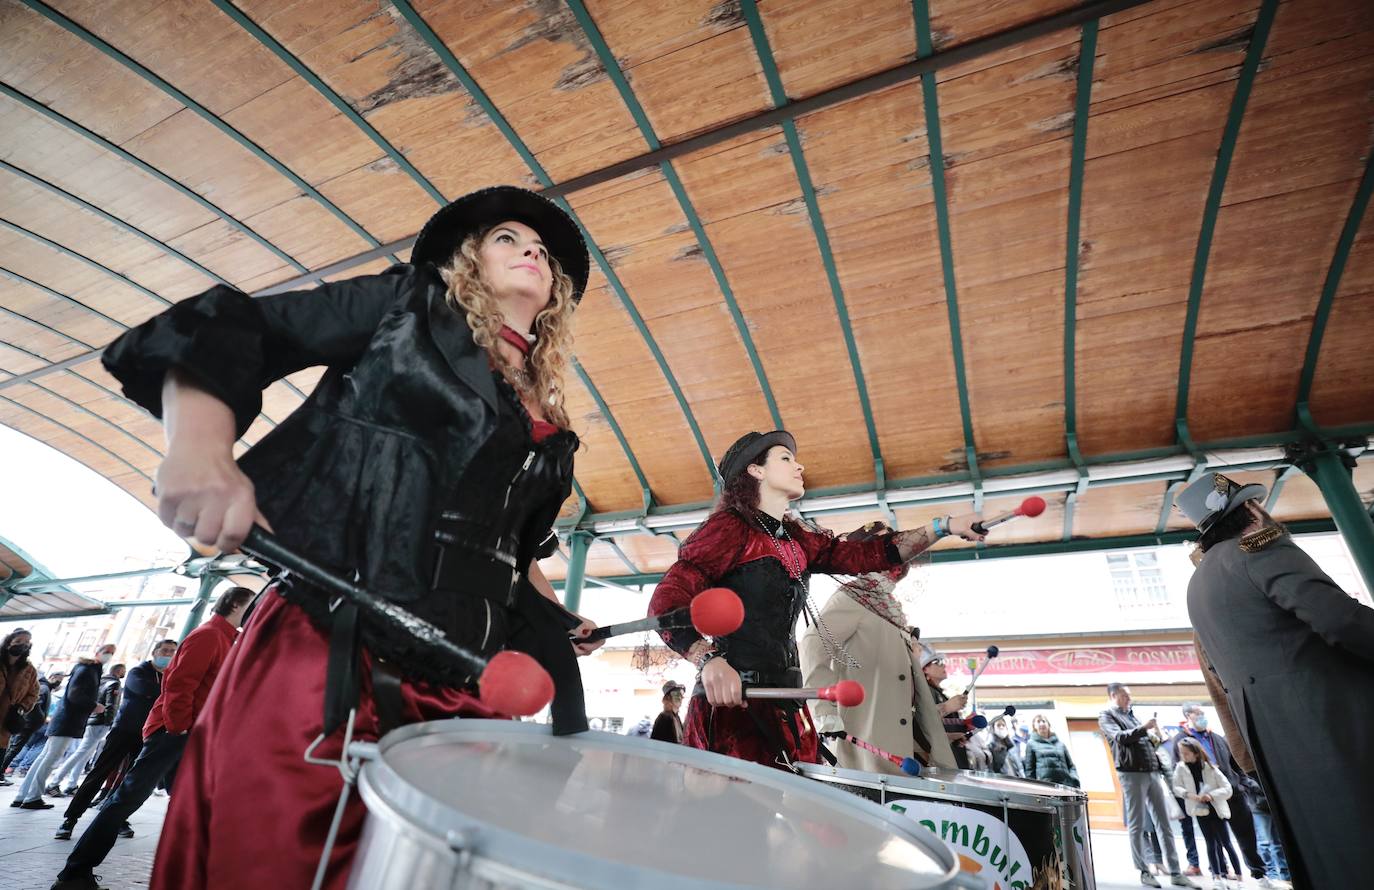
1148, 232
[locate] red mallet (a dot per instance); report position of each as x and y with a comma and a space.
717, 612
1031, 506
515, 684
714, 613
846, 693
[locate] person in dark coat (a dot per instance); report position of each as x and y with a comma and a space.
97, 727
668, 725
67, 727
190, 677
1047, 759
1295, 655
34, 732
1143, 795
18, 687
125, 739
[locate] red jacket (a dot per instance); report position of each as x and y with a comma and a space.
187, 680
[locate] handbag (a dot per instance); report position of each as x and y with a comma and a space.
14, 719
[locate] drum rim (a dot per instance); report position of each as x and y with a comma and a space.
514, 849
938, 786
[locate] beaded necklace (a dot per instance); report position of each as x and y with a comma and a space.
792, 558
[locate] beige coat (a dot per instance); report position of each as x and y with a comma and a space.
889, 677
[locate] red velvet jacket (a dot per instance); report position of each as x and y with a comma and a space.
725, 541
187, 680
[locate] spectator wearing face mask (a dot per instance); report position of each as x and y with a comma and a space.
67, 726
125, 739
1242, 821
18, 686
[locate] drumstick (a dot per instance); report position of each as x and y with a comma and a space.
846, 693
512, 683
992, 653
1031, 506
909, 765
714, 613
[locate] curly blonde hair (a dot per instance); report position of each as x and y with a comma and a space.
547, 363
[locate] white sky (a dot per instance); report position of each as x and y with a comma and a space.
71, 519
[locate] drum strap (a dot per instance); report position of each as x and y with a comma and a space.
342, 675
771, 731
386, 696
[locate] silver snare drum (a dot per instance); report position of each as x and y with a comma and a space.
1012, 833
486, 804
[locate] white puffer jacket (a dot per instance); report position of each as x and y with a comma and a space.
1213, 783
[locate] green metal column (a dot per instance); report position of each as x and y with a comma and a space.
207, 587
578, 544
1330, 469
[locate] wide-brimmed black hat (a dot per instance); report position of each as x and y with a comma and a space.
446, 229
749, 448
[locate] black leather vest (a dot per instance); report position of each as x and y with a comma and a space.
765, 646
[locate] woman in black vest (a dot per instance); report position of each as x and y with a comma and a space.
430, 463
752, 545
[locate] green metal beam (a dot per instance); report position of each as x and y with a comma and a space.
1087, 58
24, 279
955, 55
832, 276
202, 112
132, 229
1280, 477
399, 158
578, 545
49, 328
494, 114
27, 585
1050, 548
347, 110
1276, 440
611, 422
620, 554
931, 108
72, 403
1331, 470
208, 581
88, 440
1254, 54
1166, 507
99, 267
612, 66
60, 119
1329, 288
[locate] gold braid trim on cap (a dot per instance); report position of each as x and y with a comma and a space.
1258, 540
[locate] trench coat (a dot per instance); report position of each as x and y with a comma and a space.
1295, 656
889, 678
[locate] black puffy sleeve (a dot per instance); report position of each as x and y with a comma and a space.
234, 346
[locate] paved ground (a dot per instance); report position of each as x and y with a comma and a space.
30, 858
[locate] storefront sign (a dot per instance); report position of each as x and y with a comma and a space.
1080, 660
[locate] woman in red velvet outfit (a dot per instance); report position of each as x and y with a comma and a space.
750, 545
430, 463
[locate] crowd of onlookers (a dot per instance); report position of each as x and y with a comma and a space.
1189, 775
